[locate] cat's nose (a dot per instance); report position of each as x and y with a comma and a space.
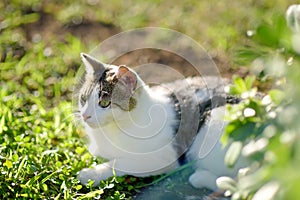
85, 117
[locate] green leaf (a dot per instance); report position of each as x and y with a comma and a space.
277, 96
15, 157
45, 187
293, 191
130, 187
79, 150
8, 164
233, 153
249, 81
229, 129
91, 194
78, 187
2, 124
266, 35
247, 55
239, 85
243, 131
49, 176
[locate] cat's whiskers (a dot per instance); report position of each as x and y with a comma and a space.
75, 115
77, 120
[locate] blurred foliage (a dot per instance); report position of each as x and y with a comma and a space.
264, 127
213, 24
41, 150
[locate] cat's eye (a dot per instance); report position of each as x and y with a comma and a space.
104, 103
104, 100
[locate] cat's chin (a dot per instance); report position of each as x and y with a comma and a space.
92, 125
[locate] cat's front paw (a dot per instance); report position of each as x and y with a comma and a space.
96, 174
203, 179
85, 175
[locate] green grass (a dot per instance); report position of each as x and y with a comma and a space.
41, 150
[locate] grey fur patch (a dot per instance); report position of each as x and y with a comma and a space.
115, 91
109, 89
193, 99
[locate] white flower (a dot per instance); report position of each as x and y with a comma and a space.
293, 22
293, 17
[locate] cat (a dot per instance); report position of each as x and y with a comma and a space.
144, 131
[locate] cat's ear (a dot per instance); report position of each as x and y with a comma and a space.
127, 77
92, 65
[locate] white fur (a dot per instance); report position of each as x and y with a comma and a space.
136, 142
139, 142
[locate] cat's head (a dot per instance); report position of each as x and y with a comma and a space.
107, 92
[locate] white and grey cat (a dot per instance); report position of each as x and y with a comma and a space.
144, 131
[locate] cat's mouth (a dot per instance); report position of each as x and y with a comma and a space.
92, 125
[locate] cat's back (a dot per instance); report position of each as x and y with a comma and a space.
193, 99
194, 88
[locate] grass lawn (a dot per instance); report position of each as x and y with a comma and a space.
41, 149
